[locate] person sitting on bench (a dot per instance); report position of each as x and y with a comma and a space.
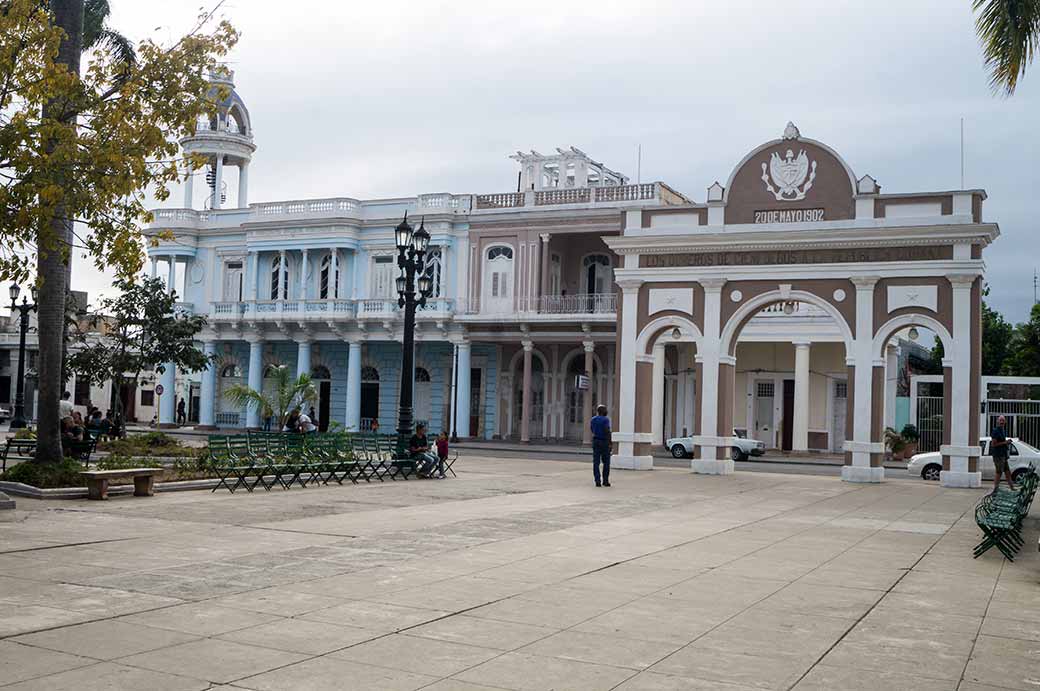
419, 448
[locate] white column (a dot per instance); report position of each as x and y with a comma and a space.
624, 417
243, 185
303, 358
657, 396
891, 384
189, 190
256, 380
281, 293
252, 278
208, 392
800, 440
354, 387
958, 449
171, 279
302, 295
463, 404
861, 445
525, 392
155, 265
714, 458
691, 387
218, 183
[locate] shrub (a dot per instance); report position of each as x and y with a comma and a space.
149, 444
46, 475
119, 462
910, 433
894, 441
25, 433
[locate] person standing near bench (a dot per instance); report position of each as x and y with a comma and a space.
999, 446
600, 425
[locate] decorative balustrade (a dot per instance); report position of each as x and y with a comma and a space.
626, 193
223, 419
314, 207
506, 200
588, 303
564, 195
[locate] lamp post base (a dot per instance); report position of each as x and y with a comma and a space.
18, 422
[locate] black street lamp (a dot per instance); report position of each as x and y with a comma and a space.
411, 252
18, 421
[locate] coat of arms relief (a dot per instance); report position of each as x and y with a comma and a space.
789, 178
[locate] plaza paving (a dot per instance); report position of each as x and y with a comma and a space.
519, 575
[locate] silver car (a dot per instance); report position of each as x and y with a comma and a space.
1020, 456
682, 447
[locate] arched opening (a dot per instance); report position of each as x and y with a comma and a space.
669, 407
599, 275
228, 415
322, 379
328, 280
279, 277
538, 390
574, 398
497, 292
369, 397
784, 381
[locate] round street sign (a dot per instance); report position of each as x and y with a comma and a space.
159, 390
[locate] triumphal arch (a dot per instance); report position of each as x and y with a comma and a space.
793, 225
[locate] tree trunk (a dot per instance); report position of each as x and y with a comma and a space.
52, 266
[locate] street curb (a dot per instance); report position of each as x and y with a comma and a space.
22, 490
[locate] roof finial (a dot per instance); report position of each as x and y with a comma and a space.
791, 132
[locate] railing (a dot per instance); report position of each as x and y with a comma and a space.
565, 195
782, 308
380, 306
626, 193
314, 207
229, 308
227, 419
443, 201
366, 424
507, 200
588, 303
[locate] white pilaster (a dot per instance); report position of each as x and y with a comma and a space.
189, 190
252, 279
801, 397
171, 278
208, 391
302, 295
861, 445
714, 458
958, 449
626, 405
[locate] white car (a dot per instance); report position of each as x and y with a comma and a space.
682, 447
1020, 456
5, 414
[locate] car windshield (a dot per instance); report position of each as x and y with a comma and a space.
1026, 448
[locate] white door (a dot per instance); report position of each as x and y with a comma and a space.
498, 281
841, 392
233, 282
763, 432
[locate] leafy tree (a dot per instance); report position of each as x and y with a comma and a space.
1024, 358
288, 393
141, 332
81, 148
1009, 31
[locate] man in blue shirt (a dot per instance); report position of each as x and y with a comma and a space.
998, 449
600, 425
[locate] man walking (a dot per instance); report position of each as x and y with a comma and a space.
600, 425
998, 449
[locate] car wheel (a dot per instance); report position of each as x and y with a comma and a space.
679, 451
1016, 476
931, 472
737, 454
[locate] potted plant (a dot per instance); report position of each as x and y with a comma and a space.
911, 436
895, 444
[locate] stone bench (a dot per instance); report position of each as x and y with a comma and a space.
97, 481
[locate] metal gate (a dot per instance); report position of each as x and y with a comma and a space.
929, 423
1023, 418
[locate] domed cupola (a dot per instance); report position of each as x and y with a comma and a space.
225, 138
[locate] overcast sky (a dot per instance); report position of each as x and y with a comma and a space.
378, 99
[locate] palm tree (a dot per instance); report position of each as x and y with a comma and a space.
1009, 31
288, 393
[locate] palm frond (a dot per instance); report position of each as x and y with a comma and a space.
1009, 31
119, 45
95, 13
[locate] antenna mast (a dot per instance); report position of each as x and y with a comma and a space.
962, 153
639, 163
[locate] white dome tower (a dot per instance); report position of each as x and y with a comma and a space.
225, 139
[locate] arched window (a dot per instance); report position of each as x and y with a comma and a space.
231, 371
599, 275
421, 374
498, 279
276, 271
321, 372
369, 374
